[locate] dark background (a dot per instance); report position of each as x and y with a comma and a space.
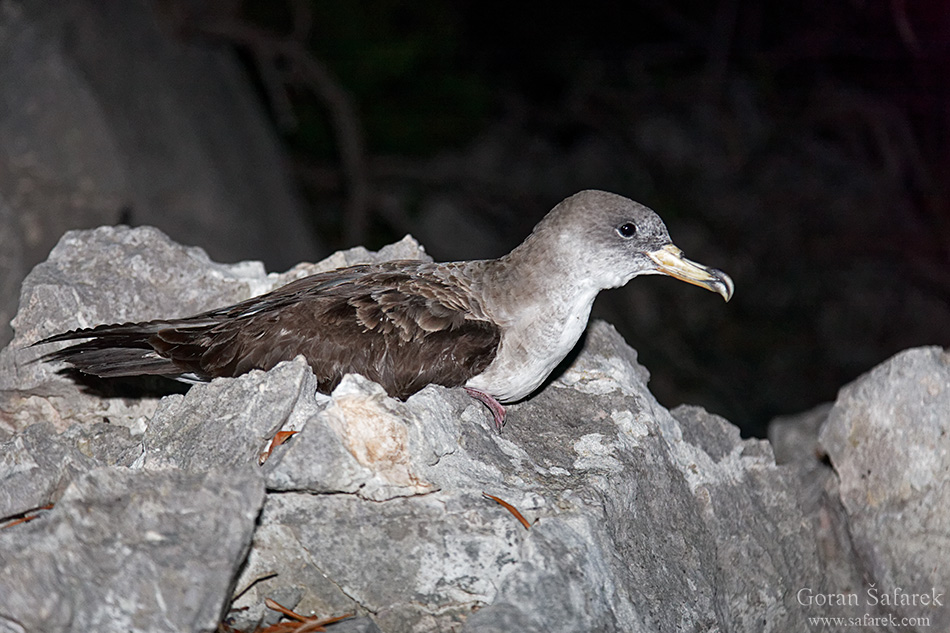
800, 146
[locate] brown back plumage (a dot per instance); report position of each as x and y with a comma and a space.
398, 323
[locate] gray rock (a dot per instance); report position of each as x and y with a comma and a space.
130, 551
124, 274
641, 519
794, 438
321, 458
37, 464
111, 274
355, 625
888, 437
629, 516
226, 422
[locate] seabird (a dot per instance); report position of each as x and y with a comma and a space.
496, 327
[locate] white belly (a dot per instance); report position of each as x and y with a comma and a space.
530, 350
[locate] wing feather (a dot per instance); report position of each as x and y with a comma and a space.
403, 324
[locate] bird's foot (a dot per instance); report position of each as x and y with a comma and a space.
496, 408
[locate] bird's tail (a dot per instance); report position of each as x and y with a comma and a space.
110, 351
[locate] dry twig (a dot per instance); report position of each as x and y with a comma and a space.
26, 517
279, 438
510, 508
302, 624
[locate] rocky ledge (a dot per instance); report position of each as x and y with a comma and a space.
148, 509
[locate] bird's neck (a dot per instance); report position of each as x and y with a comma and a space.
535, 281
541, 304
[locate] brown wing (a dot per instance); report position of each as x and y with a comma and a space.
402, 324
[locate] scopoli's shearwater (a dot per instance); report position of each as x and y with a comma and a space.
496, 327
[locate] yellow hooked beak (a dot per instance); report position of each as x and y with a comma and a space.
669, 260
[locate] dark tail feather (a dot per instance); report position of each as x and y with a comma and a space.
115, 362
115, 350
115, 332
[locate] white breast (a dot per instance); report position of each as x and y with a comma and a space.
532, 347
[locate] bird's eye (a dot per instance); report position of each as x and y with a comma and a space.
627, 229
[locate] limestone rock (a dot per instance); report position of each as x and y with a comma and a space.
130, 550
794, 438
37, 464
888, 437
640, 519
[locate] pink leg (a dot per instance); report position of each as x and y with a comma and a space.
497, 410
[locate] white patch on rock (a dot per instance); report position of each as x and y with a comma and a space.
378, 438
594, 455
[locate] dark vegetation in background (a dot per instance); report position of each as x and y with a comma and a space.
801, 146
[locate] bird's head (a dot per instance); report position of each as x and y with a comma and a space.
610, 239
